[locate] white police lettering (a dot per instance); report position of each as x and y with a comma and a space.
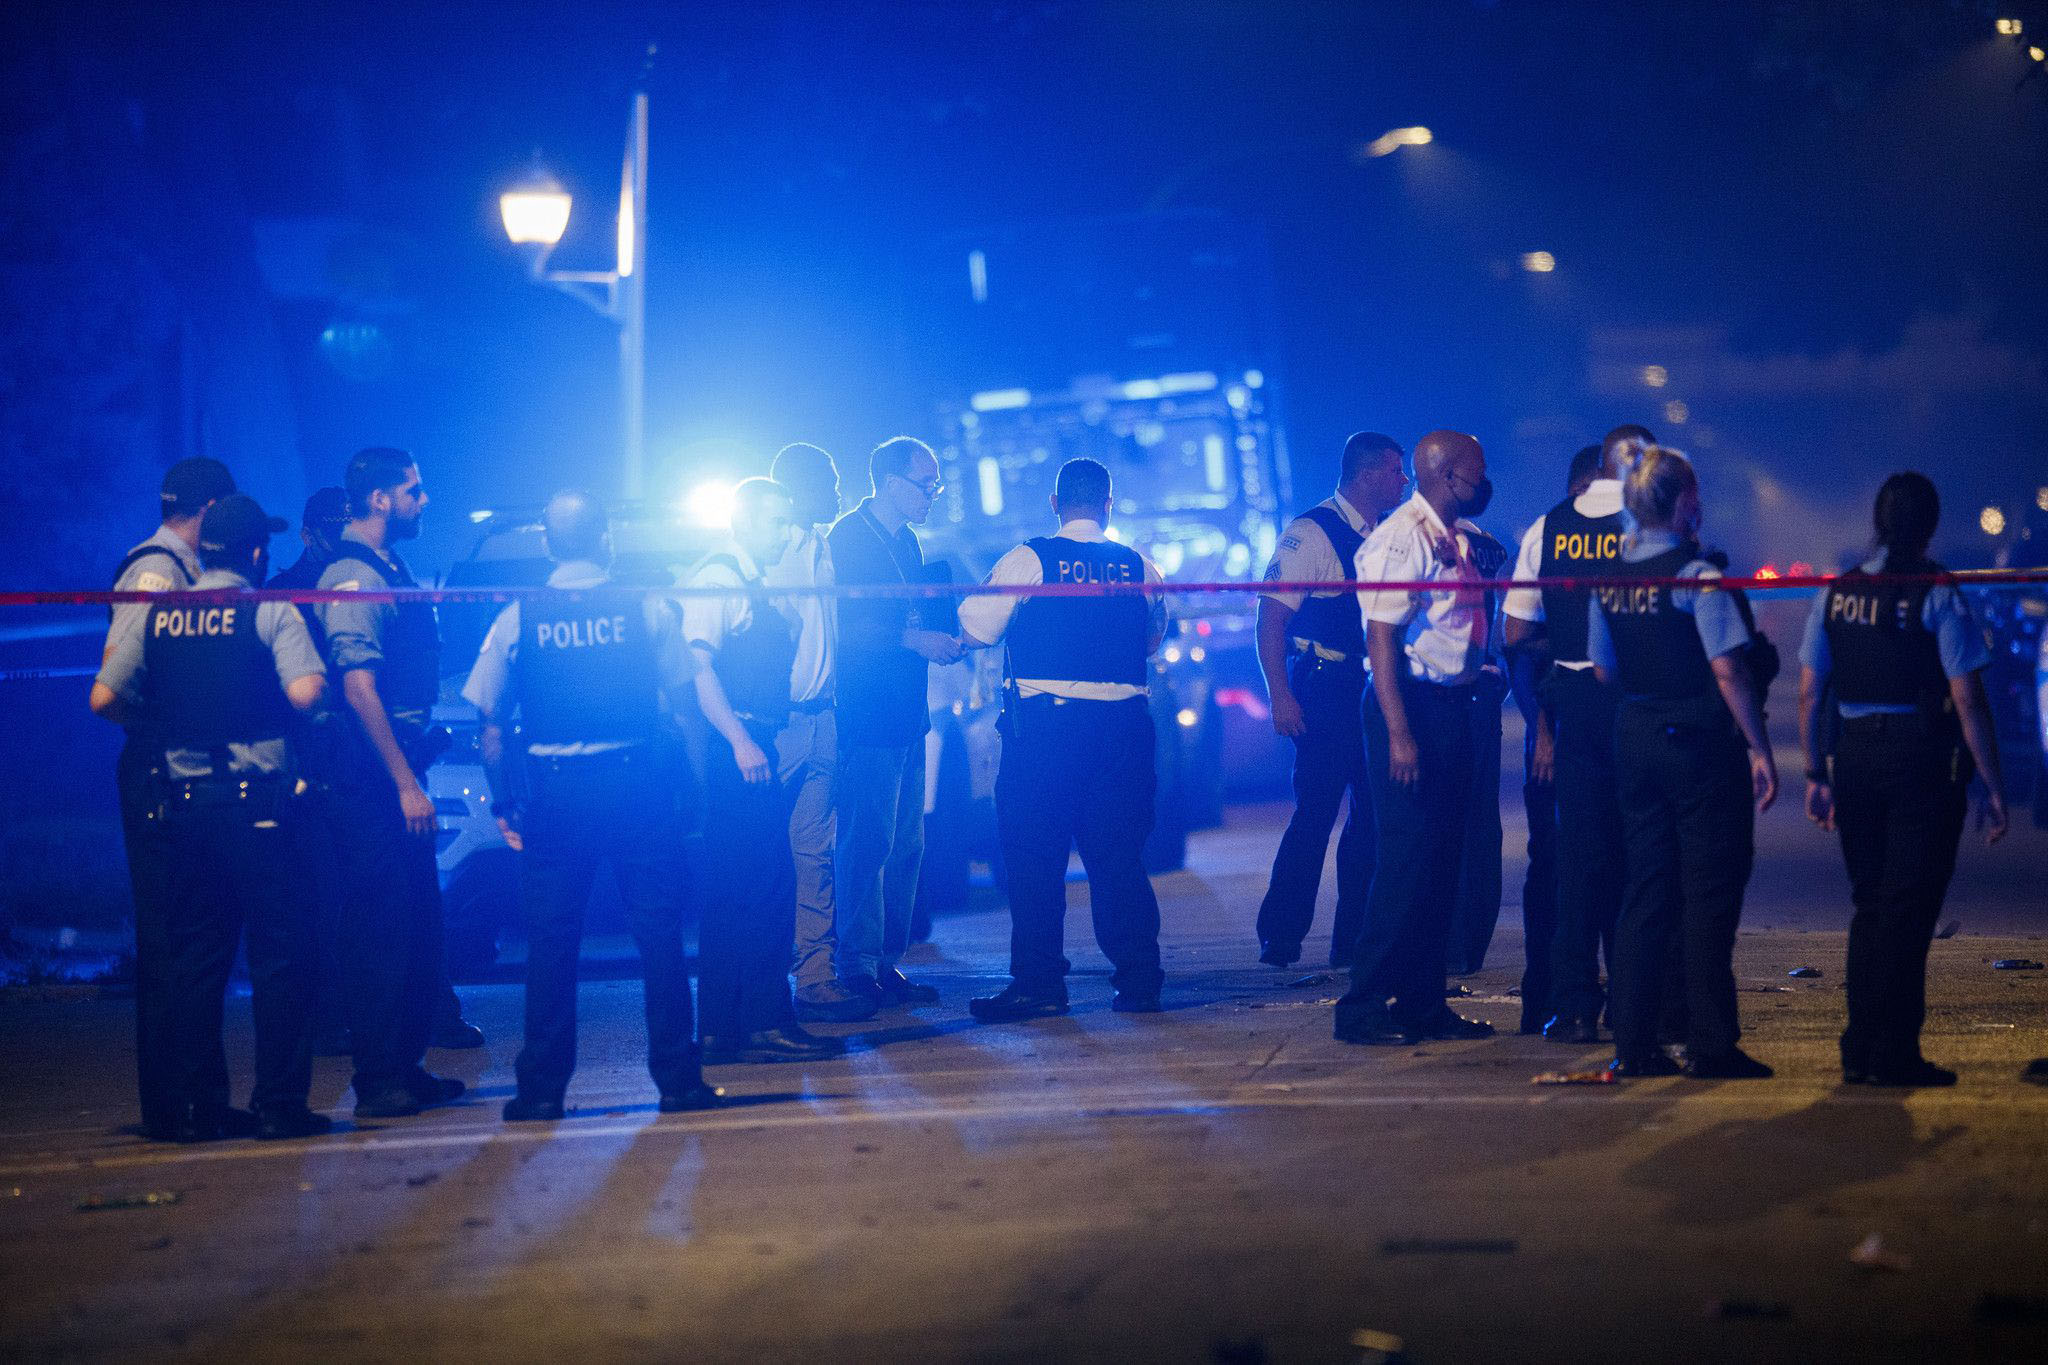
1857, 609
1631, 601
1088, 571
181, 621
591, 630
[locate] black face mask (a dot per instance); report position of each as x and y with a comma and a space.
1481, 499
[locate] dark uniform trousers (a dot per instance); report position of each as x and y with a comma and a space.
146, 841
1329, 760
1079, 774
225, 876
1401, 949
391, 932
1688, 828
1590, 864
749, 916
1476, 911
1900, 803
1539, 885
580, 812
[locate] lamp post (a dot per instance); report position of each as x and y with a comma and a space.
536, 214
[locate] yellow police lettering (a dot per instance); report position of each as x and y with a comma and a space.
591, 630
1580, 545
183, 621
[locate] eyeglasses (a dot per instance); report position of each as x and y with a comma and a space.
931, 488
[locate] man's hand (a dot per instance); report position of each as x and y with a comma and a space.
935, 647
1763, 779
1820, 804
1991, 817
418, 809
752, 762
1288, 721
1404, 760
509, 832
1543, 759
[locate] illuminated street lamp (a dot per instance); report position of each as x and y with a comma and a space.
1394, 139
536, 214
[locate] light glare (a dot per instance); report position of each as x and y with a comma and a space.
535, 214
1991, 521
1538, 262
709, 505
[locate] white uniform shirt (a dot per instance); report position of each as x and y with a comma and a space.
1602, 498
1444, 633
807, 563
1305, 555
711, 621
987, 618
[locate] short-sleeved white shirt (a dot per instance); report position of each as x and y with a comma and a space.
1602, 498
1445, 633
1305, 555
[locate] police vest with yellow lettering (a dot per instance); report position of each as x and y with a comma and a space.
1083, 639
210, 678
1574, 545
585, 671
1883, 653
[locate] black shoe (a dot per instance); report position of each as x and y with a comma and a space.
1274, 956
207, 1124
1577, 1029
1732, 1065
698, 1096
788, 1043
1135, 1002
1919, 1072
1453, 991
455, 1033
431, 1090
898, 989
392, 1102
1644, 1067
1532, 1023
1376, 1028
521, 1109
2035, 1072
1446, 1025
833, 1004
1013, 1004
280, 1121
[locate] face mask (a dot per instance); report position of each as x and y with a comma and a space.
1481, 499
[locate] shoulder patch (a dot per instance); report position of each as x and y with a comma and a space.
149, 580
349, 585
1290, 541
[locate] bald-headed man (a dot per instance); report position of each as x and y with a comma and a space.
1579, 536
1429, 650
593, 679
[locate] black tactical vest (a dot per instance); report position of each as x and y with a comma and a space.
211, 679
1335, 623
1082, 639
409, 680
136, 556
585, 671
1883, 653
754, 664
1657, 648
1574, 546
305, 573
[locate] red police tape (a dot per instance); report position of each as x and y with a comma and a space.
1966, 578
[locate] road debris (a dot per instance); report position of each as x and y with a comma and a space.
1575, 1078
1312, 979
95, 1203
1804, 973
2016, 964
1449, 1246
1948, 929
1872, 1254
1383, 1348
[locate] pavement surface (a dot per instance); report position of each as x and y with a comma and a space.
1219, 1182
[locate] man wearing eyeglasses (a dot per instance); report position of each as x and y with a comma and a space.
885, 651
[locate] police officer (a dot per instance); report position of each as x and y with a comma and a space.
1077, 768
1580, 537
1905, 661
1429, 650
594, 681
1312, 652
166, 561
320, 527
745, 640
219, 681
1689, 799
387, 659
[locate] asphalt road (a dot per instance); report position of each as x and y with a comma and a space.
1220, 1182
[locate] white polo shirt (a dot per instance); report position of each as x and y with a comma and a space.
1444, 633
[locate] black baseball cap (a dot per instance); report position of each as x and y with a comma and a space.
327, 507
236, 522
191, 484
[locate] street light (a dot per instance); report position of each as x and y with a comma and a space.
536, 214
1394, 139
